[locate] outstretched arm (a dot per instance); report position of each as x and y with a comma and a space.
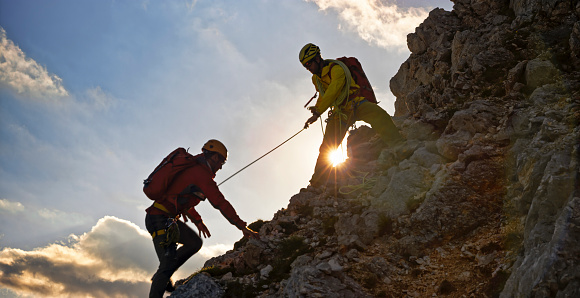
218, 201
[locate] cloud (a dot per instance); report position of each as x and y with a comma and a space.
100, 99
19, 211
11, 207
105, 262
214, 250
375, 21
114, 259
24, 75
190, 5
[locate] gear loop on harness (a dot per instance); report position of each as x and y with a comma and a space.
172, 235
171, 232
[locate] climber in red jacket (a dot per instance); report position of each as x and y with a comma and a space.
189, 188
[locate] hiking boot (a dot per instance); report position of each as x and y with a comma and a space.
170, 287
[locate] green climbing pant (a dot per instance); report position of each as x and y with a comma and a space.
337, 127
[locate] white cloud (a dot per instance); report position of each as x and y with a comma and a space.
375, 21
60, 218
24, 75
214, 250
12, 207
45, 215
190, 5
114, 259
98, 99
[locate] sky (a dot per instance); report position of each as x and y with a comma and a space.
93, 94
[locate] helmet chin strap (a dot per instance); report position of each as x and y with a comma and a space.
209, 165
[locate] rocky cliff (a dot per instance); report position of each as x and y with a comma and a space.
482, 200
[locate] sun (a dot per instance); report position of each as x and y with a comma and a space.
338, 156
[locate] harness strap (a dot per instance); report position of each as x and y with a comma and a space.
158, 233
161, 207
344, 94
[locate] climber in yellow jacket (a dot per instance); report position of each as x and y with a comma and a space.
339, 92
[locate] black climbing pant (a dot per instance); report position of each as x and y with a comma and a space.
169, 258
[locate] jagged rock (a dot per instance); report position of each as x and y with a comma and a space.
309, 281
552, 267
351, 229
362, 148
427, 159
479, 117
555, 188
200, 285
419, 130
412, 85
265, 272
252, 253
540, 72
405, 189
575, 40
515, 78
433, 34
547, 94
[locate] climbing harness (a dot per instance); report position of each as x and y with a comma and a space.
171, 237
261, 157
171, 232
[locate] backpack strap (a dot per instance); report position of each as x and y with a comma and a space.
344, 94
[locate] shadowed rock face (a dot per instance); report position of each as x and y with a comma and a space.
482, 198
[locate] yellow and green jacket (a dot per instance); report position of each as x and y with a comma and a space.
331, 86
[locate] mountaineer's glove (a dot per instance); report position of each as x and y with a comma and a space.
313, 110
310, 121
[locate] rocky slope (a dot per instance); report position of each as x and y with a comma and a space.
482, 200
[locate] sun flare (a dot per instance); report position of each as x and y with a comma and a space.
338, 156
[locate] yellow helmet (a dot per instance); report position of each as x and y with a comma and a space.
216, 146
308, 52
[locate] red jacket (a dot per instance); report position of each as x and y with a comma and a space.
189, 188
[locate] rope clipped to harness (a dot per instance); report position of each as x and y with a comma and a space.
171, 237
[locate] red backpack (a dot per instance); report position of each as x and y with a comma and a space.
359, 77
156, 185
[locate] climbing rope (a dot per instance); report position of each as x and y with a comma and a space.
365, 185
261, 157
